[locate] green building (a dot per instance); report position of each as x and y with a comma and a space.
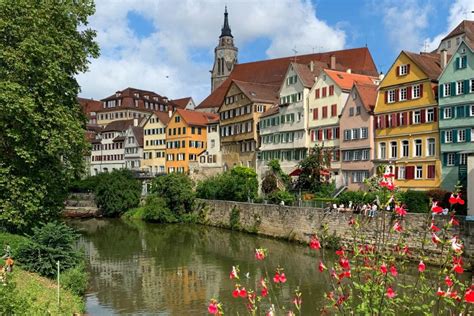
456, 105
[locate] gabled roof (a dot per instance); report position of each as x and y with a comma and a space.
120, 125
182, 103
89, 105
429, 63
138, 133
305, 74
466, 27
273, 71
258, 92
197, 118
346, 80
367, 94
271, 111
163, 117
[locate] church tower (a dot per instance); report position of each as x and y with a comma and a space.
225, 55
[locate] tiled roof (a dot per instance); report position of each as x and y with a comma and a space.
89, 105
120, 125
367, 94
272, 71
304, 72
163, 117
197, 118
346, 80
258, 92
271, 111
181, 103
429, 63
138, 132
466, 27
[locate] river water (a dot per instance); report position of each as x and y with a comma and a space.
150, 269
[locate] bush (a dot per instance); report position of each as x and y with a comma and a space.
75, 280
440, 195
49, 244
87, 184
209, 188
116, 192
416, 201
357, 197
156, 211
176, 189
269, 183
325, 190
278, 196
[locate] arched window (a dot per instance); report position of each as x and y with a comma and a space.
218, 66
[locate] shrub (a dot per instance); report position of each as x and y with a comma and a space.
116, 192
357, 197
176, 189
49, 244
326, 190
278, 196
155, 210
87, 184
416, 201
440, 195
208, 188
10, 302
269, 183
75, 279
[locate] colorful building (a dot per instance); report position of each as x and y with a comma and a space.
456, 113
186, 138
133, 145
464, 31
239, 118
407, 134
154, 143
326, 101
356, 125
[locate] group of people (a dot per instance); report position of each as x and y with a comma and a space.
365, 209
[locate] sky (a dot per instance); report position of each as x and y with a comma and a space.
167, 46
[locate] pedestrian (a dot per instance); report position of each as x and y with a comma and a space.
9, 264
373, 210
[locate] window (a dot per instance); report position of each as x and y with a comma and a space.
391, 96
403, 94
419, 172
415, 94
382, 151
447, 89
416, 117
431, 147
364, 132
405, 148
365, 154
393, 149
403, 70
347, 134
355, 133
325, 111
418, 147
448, 113
401, 172
450, 158
430, 115
448, 138
463, 159
347, 155
471, 84
351, 111
459, 87
471, 112
358, 110
461, 135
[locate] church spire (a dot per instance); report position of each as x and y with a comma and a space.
226, 28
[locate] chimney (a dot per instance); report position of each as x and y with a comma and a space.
381, 76
135, 122
311, 66
170, 112
333, 62
349, 71
444, 58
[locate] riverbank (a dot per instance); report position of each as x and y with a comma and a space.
37, 294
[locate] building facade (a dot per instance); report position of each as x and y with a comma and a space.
133, 145
407, 134
463, 32
356, 125
154, 143
239, 118
456, 112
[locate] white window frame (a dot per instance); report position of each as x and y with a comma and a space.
403, 70
447, 89
384, 151
405, 145
417, 153
447, 110
393, 149
462, 159
403, 94
459, 87
391, 96
416, 91
401, 172
418, 172
471, 112
365, 154
429, 115
364, 133
430, 147
448, 136
416, 117
450, 159
461, 135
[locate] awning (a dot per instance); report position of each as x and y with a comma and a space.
295, 173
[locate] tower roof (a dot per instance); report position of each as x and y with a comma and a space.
226, 28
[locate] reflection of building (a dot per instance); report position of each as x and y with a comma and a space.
456, 119
406, 118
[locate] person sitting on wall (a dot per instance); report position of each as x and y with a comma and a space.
9, 264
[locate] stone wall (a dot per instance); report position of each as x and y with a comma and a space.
298, 223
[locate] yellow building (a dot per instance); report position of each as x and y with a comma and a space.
406, 121
186, 138
154, 143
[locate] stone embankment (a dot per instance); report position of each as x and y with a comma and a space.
299, 223
81, 205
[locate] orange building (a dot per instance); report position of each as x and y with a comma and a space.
186, 138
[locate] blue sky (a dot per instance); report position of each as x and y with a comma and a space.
167, 46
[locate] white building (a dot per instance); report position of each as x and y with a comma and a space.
133, 145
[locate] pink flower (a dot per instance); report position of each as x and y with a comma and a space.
390, 293
321, 267
397, 227
259, 254
383, 268
351, 221
421, 266
440, 293
282, 277
393, 271
264, 292
400, 210
314, 243
212, 308
276, 277
448, 281
435, 238
434, 228
457, 247
391, 186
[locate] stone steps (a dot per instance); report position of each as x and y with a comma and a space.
80, 203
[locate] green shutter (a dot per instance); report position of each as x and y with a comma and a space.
466, 86
468, 134
456, 159
456, 63
455, 135
441, 113
453, 88
464, 61
460, 111
440, 91
443, 137
445, 159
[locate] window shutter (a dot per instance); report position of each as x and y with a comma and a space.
408, 69
410, 117
468, 134
396, 173
394, 120
397, 91
312, 135
466, 86
456, 159
386, 121
453, 88
445, 159
398, 70
410, 172
431, 171
441, 113
421, 90
443, 137
435, 114
455, 135
330, 133
440, 91
423, 116
460, 111
409, 89
456, 64
315, 113
375, 122
386, 96
337, 132
320, 134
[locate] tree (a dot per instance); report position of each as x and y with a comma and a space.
43, 46
312, 166
177, 191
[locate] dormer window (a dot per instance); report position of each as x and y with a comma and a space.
403, 70
136, 95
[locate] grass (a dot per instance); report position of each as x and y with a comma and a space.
38, 292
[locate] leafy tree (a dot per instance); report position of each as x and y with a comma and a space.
155, 210
278, 196
310, 178
43, 46
177, 191
117, 192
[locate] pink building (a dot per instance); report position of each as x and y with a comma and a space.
357, 135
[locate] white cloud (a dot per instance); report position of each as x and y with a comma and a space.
457, 13
185, 27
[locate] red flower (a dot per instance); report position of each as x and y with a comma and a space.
440, 293
400, 210
276, 277
393, 271
406, 250
397, 227
259, 254
235, 293
421, 266
453, 221
388, 175
436, 209
459, 200
243, 292
282, 277
469, 296
435, 238
391, 186
321, 267
264, 292
344, 263
314, 243
453, 199
390, 293
212, 308
458, 268
340, 252
434, 228
351, 221
448, 281
383, 268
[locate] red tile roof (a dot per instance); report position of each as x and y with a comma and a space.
258, 92
304, 72
271, 111
197, 118
367, 94
272, 71
120, 125
163, 117
346, 80
89, 105
182, 103
466, 27
429, 63
138, 132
